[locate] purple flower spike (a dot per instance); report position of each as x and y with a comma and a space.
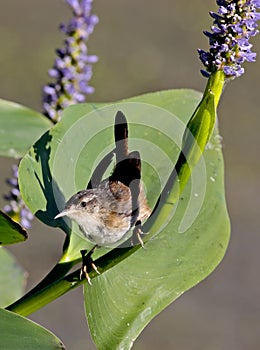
71, 73
72, 68
234, 24
16, 208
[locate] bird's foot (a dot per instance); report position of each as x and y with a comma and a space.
137, 232
87, 264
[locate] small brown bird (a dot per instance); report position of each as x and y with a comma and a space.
107, 212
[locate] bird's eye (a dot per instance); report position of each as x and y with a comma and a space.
83, 204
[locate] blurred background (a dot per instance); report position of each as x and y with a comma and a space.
146, 45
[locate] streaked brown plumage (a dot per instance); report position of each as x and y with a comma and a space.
104, 213
108, 211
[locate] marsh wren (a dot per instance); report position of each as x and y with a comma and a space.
108, 211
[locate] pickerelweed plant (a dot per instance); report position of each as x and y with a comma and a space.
146, 287
72, 71
72, 68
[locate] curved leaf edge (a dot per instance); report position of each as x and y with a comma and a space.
8, 224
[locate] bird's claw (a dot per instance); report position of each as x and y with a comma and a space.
137, 232
87, 262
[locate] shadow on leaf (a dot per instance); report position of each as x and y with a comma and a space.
42, 149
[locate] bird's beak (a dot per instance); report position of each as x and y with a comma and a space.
62, 213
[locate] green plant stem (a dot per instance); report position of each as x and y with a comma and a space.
33, 301
58, 271
198, 132
216, 84
40, 297
199, 129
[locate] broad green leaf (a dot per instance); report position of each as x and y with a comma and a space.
10, 231
12, 279
123, 300
59, 169
20, 127
19, 333
187, 246
173, 261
